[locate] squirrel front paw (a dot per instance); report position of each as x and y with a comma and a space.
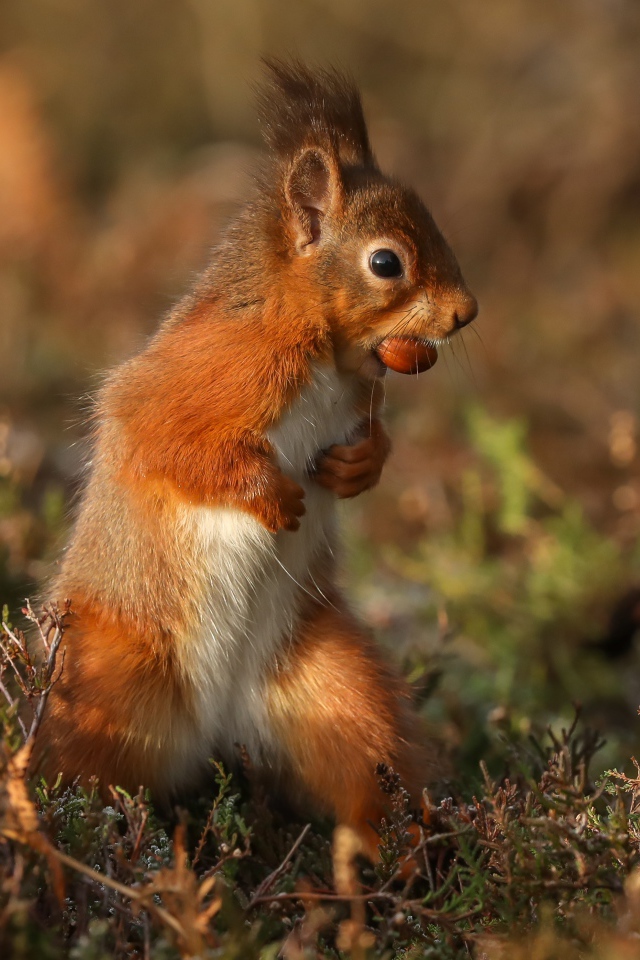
350, 469
284, 506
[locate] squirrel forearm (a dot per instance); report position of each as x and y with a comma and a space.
240, 473
193, 415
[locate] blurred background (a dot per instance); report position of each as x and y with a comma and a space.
500, 554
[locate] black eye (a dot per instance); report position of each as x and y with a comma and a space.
385, 263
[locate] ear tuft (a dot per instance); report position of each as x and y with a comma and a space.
299, 107
311, 190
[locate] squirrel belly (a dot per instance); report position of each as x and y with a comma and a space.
254, 584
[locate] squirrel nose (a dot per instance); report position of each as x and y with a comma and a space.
466, 311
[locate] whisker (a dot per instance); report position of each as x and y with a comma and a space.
373, 387
475, 330
466, 353
452, 343
405, 319
446, 363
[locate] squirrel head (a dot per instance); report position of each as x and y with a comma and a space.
359, 241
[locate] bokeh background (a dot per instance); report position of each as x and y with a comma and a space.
505, 534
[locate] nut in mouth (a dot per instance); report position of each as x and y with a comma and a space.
408, 355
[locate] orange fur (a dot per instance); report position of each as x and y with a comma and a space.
115, 704
340, 710
193, 425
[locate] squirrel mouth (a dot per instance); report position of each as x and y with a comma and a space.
406, 354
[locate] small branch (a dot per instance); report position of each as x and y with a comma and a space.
6, 695
9, 659
49, 682
319, 895
136, 848
138, 896
11, 702
268, 882
316, 895
204, 835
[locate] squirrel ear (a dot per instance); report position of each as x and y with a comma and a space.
311, 189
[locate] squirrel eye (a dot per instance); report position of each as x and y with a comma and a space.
385, 263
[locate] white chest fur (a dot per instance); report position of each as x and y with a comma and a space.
254, 581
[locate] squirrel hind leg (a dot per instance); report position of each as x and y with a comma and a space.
338, 710
115, 710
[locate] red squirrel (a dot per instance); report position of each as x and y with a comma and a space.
201, 568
